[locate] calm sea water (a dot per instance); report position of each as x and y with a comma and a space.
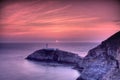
13, 65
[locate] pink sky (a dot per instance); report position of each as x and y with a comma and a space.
51, 20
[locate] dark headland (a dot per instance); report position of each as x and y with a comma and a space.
52, 55
101, 62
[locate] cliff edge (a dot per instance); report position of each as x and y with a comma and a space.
54, 55
103, 62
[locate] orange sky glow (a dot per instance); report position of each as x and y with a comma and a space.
61, 20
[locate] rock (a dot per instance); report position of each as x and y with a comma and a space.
54, 55
102, 62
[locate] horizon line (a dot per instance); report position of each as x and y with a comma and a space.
49, 41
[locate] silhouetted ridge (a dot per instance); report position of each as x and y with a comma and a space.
115, 36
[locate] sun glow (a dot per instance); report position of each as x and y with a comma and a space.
69, 21
56, 41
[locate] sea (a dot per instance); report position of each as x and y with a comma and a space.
14, 66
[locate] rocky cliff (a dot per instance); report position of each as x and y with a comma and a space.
54, 55
103, 62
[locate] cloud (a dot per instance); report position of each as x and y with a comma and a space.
57, 19
22, 13
56, 10
117, 22
39, 24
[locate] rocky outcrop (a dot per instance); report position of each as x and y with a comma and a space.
103, 62
54, 55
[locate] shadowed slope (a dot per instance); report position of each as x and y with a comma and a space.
102, 62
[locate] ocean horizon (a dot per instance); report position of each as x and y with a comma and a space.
80, 48
14, 66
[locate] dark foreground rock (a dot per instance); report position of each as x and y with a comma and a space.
55, 55
103, 62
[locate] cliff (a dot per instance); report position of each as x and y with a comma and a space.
103, 62
54, 55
